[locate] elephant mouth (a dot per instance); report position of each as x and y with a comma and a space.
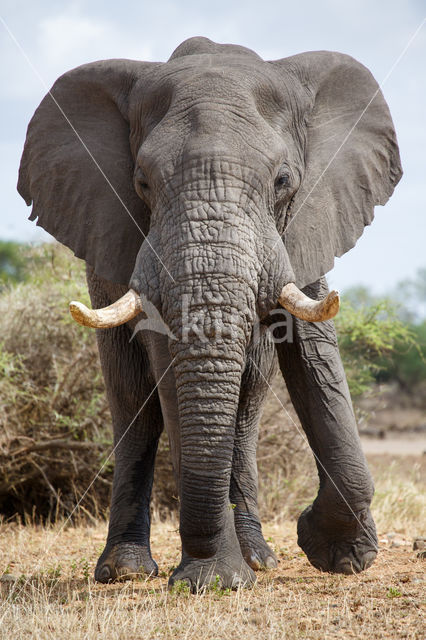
130, 305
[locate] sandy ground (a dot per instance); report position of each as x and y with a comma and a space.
412, 444
48, 592
47, 589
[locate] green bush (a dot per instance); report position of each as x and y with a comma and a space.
407, 366
384, 339
368, 339
53, 414
12, 262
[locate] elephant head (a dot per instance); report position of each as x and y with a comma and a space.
219, 179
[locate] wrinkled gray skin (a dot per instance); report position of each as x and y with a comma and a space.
219, 159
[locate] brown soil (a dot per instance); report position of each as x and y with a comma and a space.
52, 600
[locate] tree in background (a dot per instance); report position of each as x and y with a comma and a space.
12, 262
370, 337
411, 295
383, 338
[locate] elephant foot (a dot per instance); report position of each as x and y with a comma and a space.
125, 561
345, 548
227, 569
256, 552
221, 572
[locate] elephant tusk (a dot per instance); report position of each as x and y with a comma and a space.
305, 308
121, 311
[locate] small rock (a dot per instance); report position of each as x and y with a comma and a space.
419, 544
422, 555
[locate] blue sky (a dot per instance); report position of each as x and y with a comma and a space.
57, 36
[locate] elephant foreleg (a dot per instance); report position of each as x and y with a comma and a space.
137, 424
337, 531
260, 367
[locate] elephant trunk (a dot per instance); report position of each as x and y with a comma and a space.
208, 387
210, 309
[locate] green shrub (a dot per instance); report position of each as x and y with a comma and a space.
12, 262
368, 338
407, 366
54, 418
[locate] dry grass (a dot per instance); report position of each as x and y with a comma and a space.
399, 503
48, 591
54, 419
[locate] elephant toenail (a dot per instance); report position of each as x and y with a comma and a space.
254, 562
104, 574
237, 583
270, 562
124, 573
369, 559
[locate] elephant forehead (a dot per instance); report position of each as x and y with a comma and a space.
226, 106
233, 79
223, 101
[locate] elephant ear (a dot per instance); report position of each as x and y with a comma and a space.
77, 167
351, 159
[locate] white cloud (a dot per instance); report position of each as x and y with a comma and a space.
66, 41
59, 43
65, 37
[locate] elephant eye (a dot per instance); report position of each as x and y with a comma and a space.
141, 183
283, 180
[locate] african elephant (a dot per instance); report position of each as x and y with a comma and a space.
217, 183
